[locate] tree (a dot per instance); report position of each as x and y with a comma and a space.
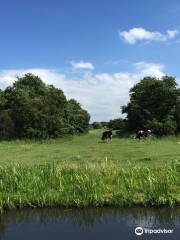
104, 124
78, 118
6, 125
154, 104
31, 109
96, 125
117, 124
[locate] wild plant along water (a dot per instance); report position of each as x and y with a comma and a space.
88, 184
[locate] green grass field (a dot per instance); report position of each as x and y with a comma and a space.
82, 171
89, 149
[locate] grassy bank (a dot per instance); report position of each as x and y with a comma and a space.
90, 184
82, 171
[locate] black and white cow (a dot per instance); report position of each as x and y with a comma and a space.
139, 134
107, 135
143, 134
147, 133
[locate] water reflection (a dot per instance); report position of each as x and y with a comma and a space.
87, 223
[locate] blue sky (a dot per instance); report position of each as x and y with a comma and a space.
90, 48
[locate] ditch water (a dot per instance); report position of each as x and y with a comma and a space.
89, 223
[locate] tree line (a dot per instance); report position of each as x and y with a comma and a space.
154, 104
31, 109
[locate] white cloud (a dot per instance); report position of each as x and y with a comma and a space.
141, 34
82, 65
149, 69
172, 33
101, 94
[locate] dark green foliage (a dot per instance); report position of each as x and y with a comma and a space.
96, 125
32, 109
154, 104
168, 126
104, 124
78, 118
6, 124
117, 124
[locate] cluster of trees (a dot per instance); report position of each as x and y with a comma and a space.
99, 125
31, 109
154, 104
115, 124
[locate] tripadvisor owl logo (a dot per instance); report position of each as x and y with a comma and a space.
139, 231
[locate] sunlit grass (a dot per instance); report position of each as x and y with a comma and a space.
89, 149
82, 171
101, 184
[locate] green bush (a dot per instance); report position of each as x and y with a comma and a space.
167, 127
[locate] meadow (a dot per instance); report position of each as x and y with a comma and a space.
82, 171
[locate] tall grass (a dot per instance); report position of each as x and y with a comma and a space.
91, 184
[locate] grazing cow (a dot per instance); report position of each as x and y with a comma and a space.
147, 133
139, 134
107, 135
143, 134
